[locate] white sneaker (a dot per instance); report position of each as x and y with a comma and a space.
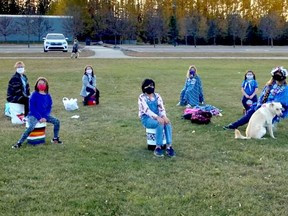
178, 104
188, 106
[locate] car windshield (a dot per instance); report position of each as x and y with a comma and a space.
57, 37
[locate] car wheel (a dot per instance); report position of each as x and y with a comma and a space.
65, 50
45, 50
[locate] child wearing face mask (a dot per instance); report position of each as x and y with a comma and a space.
249, 89
192, 92
275, 90
18, 90
40, 111
153, 115
89, 85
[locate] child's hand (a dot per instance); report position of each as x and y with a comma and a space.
160, 120
42, 120
166, 120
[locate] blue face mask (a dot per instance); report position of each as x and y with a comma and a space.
192, 73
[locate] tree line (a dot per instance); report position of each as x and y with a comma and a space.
190, 22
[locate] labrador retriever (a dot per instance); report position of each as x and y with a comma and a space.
260, 120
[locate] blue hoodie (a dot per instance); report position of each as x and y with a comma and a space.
40, 105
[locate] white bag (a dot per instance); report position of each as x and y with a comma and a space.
16, 113
7, 110
71, 104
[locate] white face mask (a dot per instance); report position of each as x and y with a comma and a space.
249, 77
20, 70
88, 71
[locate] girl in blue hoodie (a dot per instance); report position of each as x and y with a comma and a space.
40, 104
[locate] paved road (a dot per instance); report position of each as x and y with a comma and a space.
103, 52
106, 52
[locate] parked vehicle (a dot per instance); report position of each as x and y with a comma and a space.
55, 42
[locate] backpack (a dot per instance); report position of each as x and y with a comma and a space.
201, 117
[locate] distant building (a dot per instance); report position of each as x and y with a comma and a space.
32, 28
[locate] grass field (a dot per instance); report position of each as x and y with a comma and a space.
104, 168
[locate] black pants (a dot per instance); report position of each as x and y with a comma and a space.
92, 92
25, 102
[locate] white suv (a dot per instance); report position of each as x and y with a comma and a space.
55, 41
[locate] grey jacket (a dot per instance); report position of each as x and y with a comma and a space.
87, 84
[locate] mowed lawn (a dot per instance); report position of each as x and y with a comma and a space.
104, 167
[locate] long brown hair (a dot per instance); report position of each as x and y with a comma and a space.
91, 69
46, 82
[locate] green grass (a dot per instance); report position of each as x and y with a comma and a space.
104, 168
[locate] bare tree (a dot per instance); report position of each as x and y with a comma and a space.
127, 29
195, 26
41, 27
7, 26
271, 26
237, 27
26, 27
99, 25
154, 26
243, 29
217, 28
113, 26
73, 25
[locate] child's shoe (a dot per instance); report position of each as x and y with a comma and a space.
17, 145
170, 152
56, 141
158, 152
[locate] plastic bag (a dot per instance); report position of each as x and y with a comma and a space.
16, 113
71, 104
7, 110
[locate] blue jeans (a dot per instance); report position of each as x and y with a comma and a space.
32, 121
244, 119
148, 122
244, 100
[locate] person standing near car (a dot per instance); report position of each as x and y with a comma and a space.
75, 49
18, 90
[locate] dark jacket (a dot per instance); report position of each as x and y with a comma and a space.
75, 48
15, 89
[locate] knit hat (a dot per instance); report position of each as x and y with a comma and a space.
279, 69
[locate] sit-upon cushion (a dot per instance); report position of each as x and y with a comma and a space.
37, 136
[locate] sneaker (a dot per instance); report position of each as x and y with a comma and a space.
17, 145
188, 106
56, 141
178, 104
158, 152
229, 127
170, 152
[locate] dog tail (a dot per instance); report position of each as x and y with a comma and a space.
238, 135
